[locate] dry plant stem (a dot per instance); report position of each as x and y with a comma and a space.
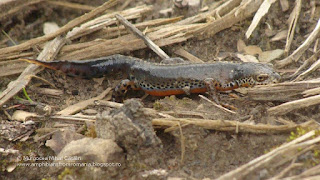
308, 174
286, 170
83, 104
162, 37
294, 105
50, 92
264, 8
97, 24
44, 80
184, 113
286, 91
125, 4
216, 105
140, 35
236, 15
49, 52
312, 68
311, 92
71, 5
109, 103
149, 111
298, 52
306, 63
12, 67
216, 12
63, 29
74, 119
294, 19
106, 20
15, 55
187, 55
45, 136
113, 32
183, 144
227, 125
266, 159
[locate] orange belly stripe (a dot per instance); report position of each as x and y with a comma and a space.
174, 91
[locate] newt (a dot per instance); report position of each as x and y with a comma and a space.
168, 79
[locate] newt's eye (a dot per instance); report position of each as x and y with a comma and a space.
262, 77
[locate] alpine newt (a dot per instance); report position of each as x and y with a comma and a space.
169, 79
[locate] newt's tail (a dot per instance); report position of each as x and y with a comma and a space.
92, 68
50, 65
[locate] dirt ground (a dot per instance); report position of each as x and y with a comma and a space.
208, 153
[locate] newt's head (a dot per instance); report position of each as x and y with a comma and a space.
250, 74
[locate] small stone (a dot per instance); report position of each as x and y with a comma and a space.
96, 158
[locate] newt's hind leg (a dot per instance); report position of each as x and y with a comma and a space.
124, 86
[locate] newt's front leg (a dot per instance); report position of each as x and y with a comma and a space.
212, 86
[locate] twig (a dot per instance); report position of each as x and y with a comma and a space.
306, 63
263, 9
83, 104
294, 105
298, 52
267, 160
63, 29
311, 92
74, 118
101, 22
49, 52
162, 37
125, 4
292, 28
237, 14
109, 103
216, 105
184, 113
286, 91
183, 144
149, 111
286, 170
187, 55
312, 68
44, 80
227, 125
140, 35
50, 92
219, 9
